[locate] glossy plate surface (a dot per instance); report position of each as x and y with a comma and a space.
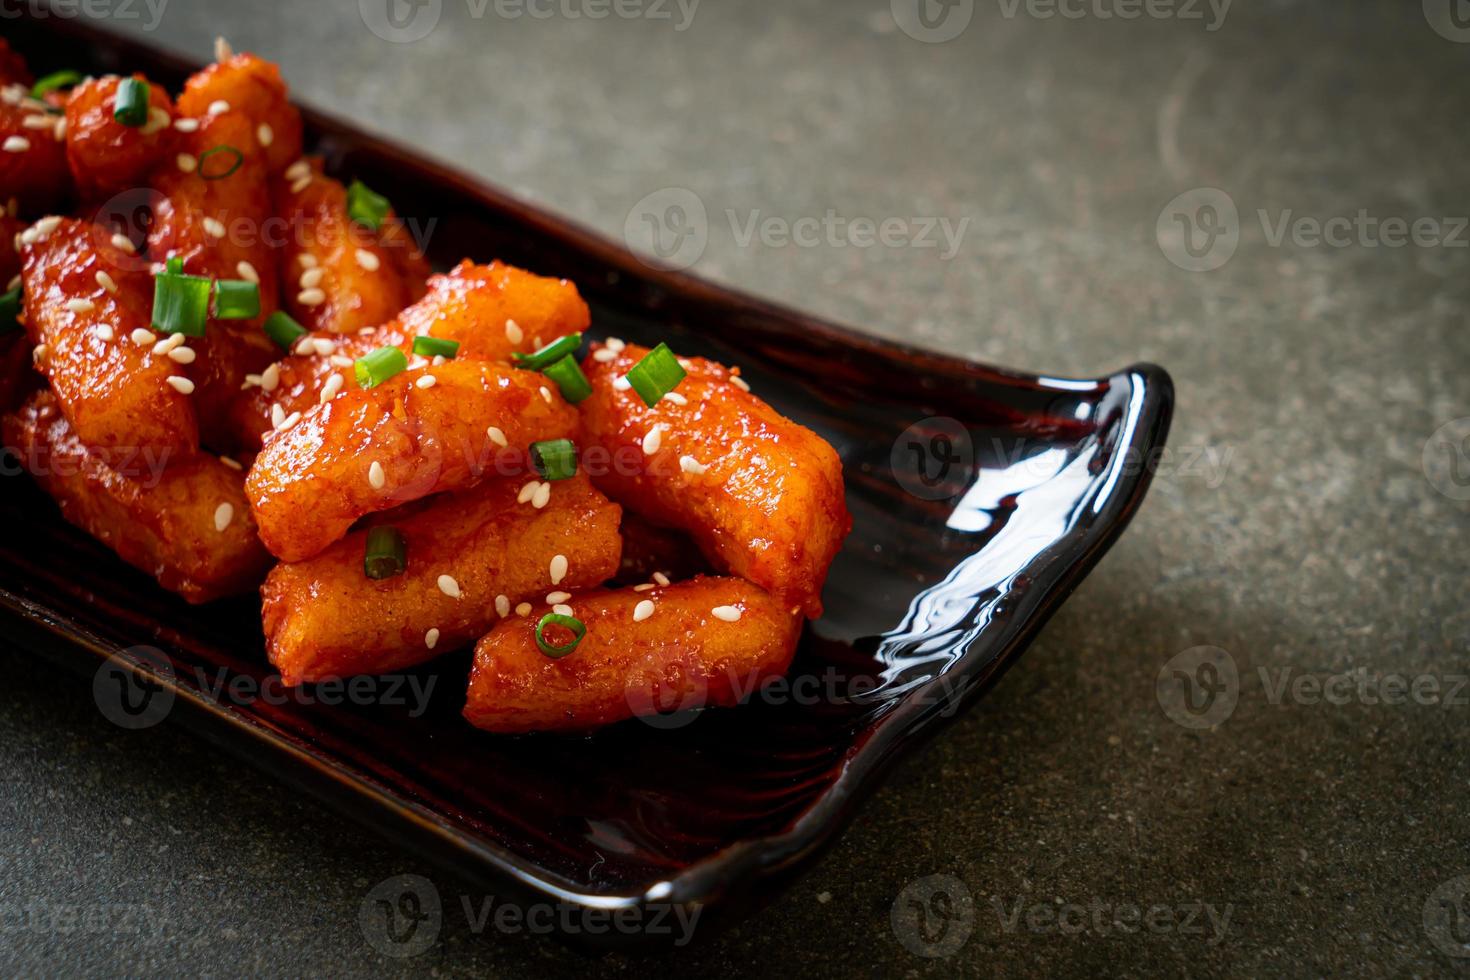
980, 498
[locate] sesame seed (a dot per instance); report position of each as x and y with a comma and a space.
691, 465
311, 297
562, 609
337, 360
643, 610
59, 130
106, 281
307, 260
527, 492
168, 343
182, 355
14, 283
323, 346
496, 436
180, 384
660, 578
513, 332
222, 49
104, 332
38, 354
616, 344
552, 598
729, 614
223, 515
332, 387
142, 336
80, 306
449, 586
604, 355
214, 227
376, 476
247, 272
427, 381
523, 609
187, 162
546, 393
218, 106
47, 225
36, 122
620, 383
186, 125
542, 496
502, 606
158, 121
431, 638
303, 348
558, 569
312, 277
368, 260
739, 382
644, 587
301, 184
278, 415
291, 420
16, 144
231, 463
299, 169
653, 440
265, 134
123, 243
270, 377
676, 398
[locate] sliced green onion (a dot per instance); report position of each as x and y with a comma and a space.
570, 379
373, 369
656, 375
65, 78
180, 302
365, 206
554, 459
231, 163
387, 553
175, 266
10, 311
283, 330
578, 628
131, 107
236, 299
435, 347
550, 354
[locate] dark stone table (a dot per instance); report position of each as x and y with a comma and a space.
1309, 521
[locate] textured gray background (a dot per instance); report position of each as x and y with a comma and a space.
1315, 540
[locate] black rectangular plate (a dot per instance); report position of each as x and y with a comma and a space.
948, 575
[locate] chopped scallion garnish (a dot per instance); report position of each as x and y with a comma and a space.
550, 354
174, 265
570, 379
10, 311
180, 302
435, 347
657, 374
373, 369
577, 627
387, 553
283, 330
236, 299
131, 107
365, 206
229, 161
65, 78
554, 459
